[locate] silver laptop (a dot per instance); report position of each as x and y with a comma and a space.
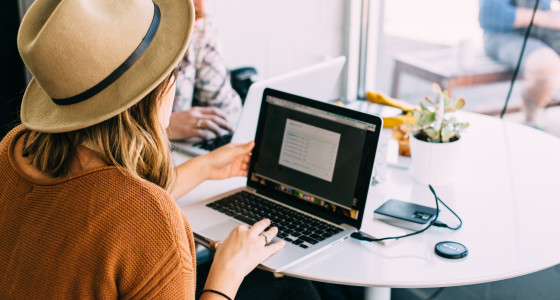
309, 174
320, 81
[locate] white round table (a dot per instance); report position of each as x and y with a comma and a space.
506, 192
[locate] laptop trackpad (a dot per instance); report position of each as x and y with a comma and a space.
220, 231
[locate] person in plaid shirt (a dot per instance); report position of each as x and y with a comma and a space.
205, 103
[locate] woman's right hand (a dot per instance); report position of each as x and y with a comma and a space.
243, 249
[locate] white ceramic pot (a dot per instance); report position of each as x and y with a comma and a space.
434, 163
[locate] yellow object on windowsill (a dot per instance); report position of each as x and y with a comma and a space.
398, 122
393, 121
388, 101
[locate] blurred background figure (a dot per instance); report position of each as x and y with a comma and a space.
205, 105
504, 23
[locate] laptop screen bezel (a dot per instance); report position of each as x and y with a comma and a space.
304, 205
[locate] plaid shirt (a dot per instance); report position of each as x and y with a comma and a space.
203, 78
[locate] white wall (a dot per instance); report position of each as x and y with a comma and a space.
280, 36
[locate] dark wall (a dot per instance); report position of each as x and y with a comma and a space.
12, 78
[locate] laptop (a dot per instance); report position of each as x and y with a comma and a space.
309, 174
319, 81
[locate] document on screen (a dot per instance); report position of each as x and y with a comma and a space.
309, 149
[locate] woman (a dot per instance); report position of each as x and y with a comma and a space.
87, 180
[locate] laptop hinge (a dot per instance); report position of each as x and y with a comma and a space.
251, 189
299, 205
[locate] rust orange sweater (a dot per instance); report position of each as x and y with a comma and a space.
101, 234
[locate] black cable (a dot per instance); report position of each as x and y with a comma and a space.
516, 71
363, 237
441, 224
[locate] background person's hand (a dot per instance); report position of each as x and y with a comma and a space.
243, 249
228, 161
202, 122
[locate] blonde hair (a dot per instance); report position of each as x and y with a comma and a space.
134, 140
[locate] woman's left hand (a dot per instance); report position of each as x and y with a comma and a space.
225, 162
229, 161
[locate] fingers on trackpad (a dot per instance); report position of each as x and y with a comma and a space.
219, 231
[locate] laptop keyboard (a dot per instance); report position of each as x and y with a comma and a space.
216, 142
294, 227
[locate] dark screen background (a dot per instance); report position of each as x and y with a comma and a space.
347, 166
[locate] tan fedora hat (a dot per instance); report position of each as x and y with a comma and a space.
93, 59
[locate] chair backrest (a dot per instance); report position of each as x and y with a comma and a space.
241, 79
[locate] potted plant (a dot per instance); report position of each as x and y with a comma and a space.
435, 141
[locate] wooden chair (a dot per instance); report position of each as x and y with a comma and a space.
442, 66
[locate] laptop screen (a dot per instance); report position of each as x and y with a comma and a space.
315, 153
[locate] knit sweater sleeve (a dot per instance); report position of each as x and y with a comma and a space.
173, 275
172, 279
176, 283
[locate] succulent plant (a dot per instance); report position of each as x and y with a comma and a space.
431, 125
